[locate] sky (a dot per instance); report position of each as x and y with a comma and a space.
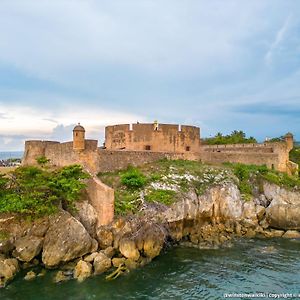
220, 65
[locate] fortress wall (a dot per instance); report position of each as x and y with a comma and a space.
241, 149
35, 149
258, 151
269, 159
167, 138
63, 154
281, 149
112, 160
102, 199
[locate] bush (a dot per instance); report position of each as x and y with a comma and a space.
126, 202
42, 160
36, 192
133, 178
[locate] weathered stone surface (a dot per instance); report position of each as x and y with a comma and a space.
273, 233
292, 234
284, 210
30, 275
219, 203
109, 252
90, 258
61, 276
154, 239
8, 269
249, 217
102, 263
131, 264
260, 212
117, 261
82, 270
128, 249
104, 237
28, 247
65, 240
87, 215
94, 246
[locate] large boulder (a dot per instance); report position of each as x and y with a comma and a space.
86, 214
154, 239
28, 247
82, 270
104, 237
102, 263
65, 240
129, 249
284, 210
8, 269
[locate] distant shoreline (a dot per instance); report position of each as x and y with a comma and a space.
10, 154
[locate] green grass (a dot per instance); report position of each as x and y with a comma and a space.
166, 197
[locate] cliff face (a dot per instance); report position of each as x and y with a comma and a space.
210, 219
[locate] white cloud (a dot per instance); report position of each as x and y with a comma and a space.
278, 40
37, 122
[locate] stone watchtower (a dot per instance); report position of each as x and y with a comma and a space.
78, 137
289, 139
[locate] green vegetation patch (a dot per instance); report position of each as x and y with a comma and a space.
236, 137
36, 192
166, 197
250, 175
164, 181
295, 155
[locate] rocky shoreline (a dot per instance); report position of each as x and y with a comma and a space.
74, 245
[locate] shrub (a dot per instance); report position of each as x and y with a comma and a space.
126, 202
42, 160
133, 178
37, 192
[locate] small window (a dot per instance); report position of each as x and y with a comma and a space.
187, 148
76, 134
148, 147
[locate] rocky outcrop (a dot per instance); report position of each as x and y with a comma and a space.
65, 240
284, 209
204, 221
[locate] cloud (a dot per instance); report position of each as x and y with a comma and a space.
38, 123
280, 35
105, 62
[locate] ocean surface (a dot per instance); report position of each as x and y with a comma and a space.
264, 266
11, 154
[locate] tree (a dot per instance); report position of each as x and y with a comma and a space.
236, 137
36, 191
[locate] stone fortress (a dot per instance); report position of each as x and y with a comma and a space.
137, 144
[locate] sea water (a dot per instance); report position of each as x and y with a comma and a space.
268, 268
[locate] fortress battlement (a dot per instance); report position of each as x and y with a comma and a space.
153, 137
